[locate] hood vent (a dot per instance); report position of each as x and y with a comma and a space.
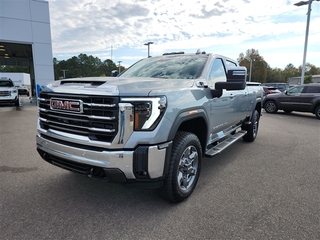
74, 81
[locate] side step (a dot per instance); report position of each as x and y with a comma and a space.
225, 143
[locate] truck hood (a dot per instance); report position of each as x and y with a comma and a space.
116, 85
7, 88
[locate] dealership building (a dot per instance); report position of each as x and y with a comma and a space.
25, 39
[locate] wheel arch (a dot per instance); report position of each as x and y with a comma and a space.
316, 105
195, 123
258, 107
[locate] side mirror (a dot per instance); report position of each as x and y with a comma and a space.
236, 79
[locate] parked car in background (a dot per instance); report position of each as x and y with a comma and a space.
281, 86
8, 92
270, 90
23, 90
302, 98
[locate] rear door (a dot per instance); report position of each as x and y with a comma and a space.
306, 97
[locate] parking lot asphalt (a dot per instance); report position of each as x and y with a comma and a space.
268, 189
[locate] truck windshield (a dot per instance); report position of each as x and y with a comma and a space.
4, 83
171, 67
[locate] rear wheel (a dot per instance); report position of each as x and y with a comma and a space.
252, 130
317, 112
184, 169
270, 107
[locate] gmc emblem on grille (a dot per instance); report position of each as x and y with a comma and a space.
66, 105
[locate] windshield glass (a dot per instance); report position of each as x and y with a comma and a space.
5, 83
173, 67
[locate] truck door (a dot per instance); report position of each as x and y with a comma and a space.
222, 112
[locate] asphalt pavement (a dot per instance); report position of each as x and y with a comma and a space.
268, 189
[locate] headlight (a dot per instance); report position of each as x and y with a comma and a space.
147, 111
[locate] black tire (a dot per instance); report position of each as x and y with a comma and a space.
317, 112
270, 107
252, 130
184, 169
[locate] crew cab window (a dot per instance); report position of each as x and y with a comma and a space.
295, 90
4, 83
230, 64
312, 89
171, 67
217, 72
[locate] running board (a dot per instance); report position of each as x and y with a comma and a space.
225, 143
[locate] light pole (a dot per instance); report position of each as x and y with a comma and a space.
119, 66
301, 3
148, 44
64, 73
250, 60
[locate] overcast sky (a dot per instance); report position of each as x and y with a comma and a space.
118, 29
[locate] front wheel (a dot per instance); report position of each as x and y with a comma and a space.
270, 107
252, 130
317, 112
184, 169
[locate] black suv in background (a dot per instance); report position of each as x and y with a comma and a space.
23, 90
302, 98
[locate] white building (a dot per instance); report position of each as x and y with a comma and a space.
25, 38
297, 80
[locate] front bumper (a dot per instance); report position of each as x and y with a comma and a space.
140, 167
9, 99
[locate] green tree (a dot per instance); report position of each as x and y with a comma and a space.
83, 66
312, 69
308, 78
290, 71
274, 75
259, 66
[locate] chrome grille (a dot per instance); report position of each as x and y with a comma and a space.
98, 121
5, 93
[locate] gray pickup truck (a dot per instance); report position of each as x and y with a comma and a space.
150, 126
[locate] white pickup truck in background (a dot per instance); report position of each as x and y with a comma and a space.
8, 92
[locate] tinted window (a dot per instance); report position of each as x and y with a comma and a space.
174, 67
312, 89
295, 89
4, 83
217, 72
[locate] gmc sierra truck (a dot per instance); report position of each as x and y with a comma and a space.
150, 126
8, 92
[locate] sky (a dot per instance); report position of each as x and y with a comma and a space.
118, 29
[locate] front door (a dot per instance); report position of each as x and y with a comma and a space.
222, 109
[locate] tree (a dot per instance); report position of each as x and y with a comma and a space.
259, 66
312, 69
308, 79
83, 66
290, 71
274, 75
